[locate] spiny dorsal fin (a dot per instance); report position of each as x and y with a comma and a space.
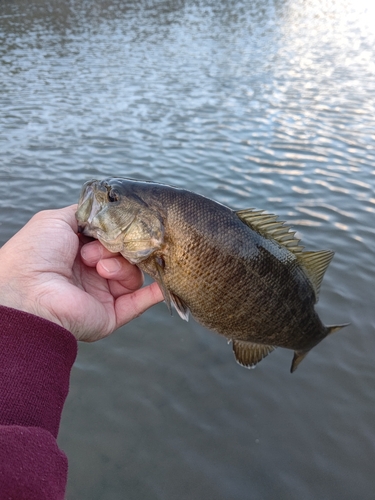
269, 227
249, 354
315, 264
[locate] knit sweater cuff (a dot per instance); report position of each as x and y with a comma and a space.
36, 357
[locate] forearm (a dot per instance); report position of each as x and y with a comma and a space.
36, 357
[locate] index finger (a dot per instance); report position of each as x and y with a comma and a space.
130, 306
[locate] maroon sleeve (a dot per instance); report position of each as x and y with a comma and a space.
36, 357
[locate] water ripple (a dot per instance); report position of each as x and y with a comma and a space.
266, 104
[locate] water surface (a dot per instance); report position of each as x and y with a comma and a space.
266, 104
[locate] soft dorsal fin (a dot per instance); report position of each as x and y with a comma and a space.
248, 354
315, 264
269, 227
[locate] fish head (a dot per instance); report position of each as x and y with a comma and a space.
112, 212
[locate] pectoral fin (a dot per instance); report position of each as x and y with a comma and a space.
159, 265
248, 354
169, 297
180, 306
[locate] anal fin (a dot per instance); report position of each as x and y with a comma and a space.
248, 354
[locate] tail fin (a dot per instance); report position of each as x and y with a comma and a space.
300, 355
336, 328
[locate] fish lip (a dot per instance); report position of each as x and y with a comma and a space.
93, 206
86, 191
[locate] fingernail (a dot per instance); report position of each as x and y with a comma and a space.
112, 266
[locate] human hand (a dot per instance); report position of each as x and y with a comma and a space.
47, 270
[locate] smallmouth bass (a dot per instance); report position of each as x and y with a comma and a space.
240, 273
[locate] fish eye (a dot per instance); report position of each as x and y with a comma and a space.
112, 194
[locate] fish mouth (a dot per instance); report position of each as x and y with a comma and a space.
89, 206
92, 207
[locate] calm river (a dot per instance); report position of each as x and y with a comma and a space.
261, 103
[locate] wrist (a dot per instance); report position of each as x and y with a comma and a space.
10, 296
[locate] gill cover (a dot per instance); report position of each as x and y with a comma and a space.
120, 220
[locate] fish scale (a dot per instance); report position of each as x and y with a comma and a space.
242, 274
